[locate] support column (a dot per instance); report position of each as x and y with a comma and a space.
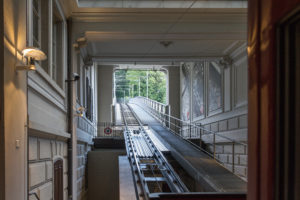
173, 90
105, 93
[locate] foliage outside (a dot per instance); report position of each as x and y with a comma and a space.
127, 85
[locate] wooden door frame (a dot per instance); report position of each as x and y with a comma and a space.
59, 159
2, 138
263, 16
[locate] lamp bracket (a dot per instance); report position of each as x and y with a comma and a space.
21, 67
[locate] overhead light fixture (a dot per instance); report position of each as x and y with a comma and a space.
76, 77
166, 44
32, 54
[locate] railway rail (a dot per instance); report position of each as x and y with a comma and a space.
152, 172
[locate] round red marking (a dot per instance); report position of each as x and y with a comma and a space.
107, 131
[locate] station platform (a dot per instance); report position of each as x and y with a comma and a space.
205, 170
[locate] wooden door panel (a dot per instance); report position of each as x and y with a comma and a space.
58, 180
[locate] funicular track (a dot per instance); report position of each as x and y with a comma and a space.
152, 173
128, 117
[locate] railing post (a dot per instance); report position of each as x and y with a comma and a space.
232, 157
180, 128
214, 143
200, 137
167, 113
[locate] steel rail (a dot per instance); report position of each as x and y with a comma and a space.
141, 149
179, 185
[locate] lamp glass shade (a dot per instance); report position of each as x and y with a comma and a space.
34, 53
32, 67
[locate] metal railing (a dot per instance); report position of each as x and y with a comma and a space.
34, 194
202, 139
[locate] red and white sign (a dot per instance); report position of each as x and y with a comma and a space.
107, 131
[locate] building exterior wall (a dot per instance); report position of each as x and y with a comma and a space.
105, 93
47, 105
230, 119
85, 123
43, 153
13, 102
173, 93
236, 129
82, 186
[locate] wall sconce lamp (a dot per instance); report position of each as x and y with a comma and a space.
76, 77
80, 111
32, 54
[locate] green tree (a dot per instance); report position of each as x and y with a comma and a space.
136, 80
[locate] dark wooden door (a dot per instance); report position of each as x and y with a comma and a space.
58, 180
263, 19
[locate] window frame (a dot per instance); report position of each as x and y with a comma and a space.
204, 115
219, 110
38, 14
47, 74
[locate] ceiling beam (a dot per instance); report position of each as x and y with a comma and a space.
97, 36
162, 4
152, 59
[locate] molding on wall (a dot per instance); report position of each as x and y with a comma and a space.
239, 52
50, 81
85, 125
223, 116
239, 135
39, 130
50, 97
83, 136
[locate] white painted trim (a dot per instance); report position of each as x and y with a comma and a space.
162, 4
238, 51
83, 136
56, 158
239, 135
40, 130
42, 72
29, 23
60, 10
45, 93
223, 116
51, 82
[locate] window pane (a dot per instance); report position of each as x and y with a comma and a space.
57, 47
215, 87
185, 92
35, 4
54, 49
35, 31
44, 31
198, 89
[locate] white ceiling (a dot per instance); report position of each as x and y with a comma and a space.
162, 3
129, 35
